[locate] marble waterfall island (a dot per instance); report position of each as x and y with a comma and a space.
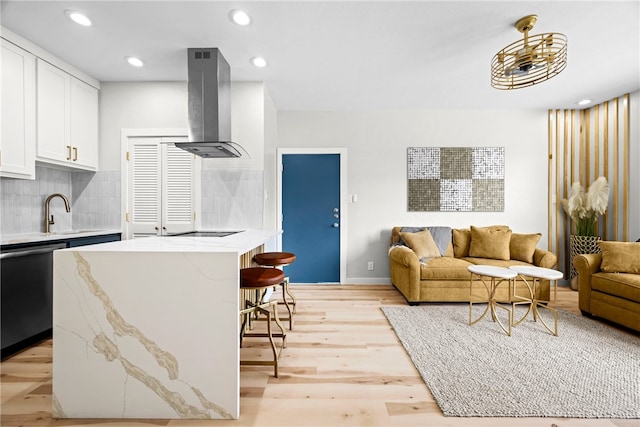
148, 328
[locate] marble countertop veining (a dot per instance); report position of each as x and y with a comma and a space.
10, 239
241, 242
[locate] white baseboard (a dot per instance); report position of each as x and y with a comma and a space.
368, 281
355, 281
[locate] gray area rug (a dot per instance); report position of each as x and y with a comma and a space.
590, 370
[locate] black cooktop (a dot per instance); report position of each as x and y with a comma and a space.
205, 233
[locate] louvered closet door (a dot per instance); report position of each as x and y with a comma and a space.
162, 196
177, 189
145, 186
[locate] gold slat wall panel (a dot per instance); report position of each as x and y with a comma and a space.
585, 144
605, 161
625, 157
616, 142
246, 261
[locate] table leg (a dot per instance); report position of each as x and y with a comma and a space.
524, 300
534, 303
492, 304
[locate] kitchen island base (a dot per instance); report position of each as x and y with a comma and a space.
146, 334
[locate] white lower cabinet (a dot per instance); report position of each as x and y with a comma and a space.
18, 143
67, 119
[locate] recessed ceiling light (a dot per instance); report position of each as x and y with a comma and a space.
240, 17
136, 62
78, 18
259, 61
584, 102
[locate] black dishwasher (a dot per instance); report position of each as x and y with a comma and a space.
26, 296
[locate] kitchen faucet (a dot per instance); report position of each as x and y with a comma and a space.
48, 221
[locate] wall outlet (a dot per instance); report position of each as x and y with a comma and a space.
370, 266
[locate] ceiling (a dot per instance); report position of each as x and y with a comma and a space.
349, 55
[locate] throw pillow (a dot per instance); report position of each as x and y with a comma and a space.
620, 257
523, 246
422, 244
490, 243
461, 241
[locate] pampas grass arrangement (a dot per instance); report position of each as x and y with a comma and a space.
584, 206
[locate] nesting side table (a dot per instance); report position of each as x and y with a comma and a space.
531, 276
496, 275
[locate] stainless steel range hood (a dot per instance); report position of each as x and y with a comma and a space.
209, 104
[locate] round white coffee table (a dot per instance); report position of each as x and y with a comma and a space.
531, 276
497, 275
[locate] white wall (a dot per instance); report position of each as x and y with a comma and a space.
247, 127
269, 157
377, 154
131, 105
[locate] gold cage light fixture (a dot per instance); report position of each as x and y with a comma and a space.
531, 60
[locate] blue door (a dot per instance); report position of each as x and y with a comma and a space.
311, 216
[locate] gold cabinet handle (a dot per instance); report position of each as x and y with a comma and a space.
68, 152
75, 154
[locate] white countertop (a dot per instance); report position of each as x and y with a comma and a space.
10, 239
241, 242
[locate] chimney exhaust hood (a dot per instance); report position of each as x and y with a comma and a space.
209, 105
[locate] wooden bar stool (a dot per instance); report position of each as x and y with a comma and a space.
259, 279
278, 260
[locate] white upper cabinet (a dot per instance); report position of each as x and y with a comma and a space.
84, 124
53, 113
67, 119
18, 143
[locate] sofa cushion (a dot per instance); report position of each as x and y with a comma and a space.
441, 235
494, 262
444, 268
523, 246
620, 257
449, 251
462, 239
422, 244
490, 243
623, 285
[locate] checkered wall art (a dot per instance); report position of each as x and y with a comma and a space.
455, 179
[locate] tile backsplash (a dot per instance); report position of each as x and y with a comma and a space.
22, 201
96, 200
230, 199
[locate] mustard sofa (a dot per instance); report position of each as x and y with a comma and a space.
427, 273
609, 283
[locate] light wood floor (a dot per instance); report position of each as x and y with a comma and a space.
343, 366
